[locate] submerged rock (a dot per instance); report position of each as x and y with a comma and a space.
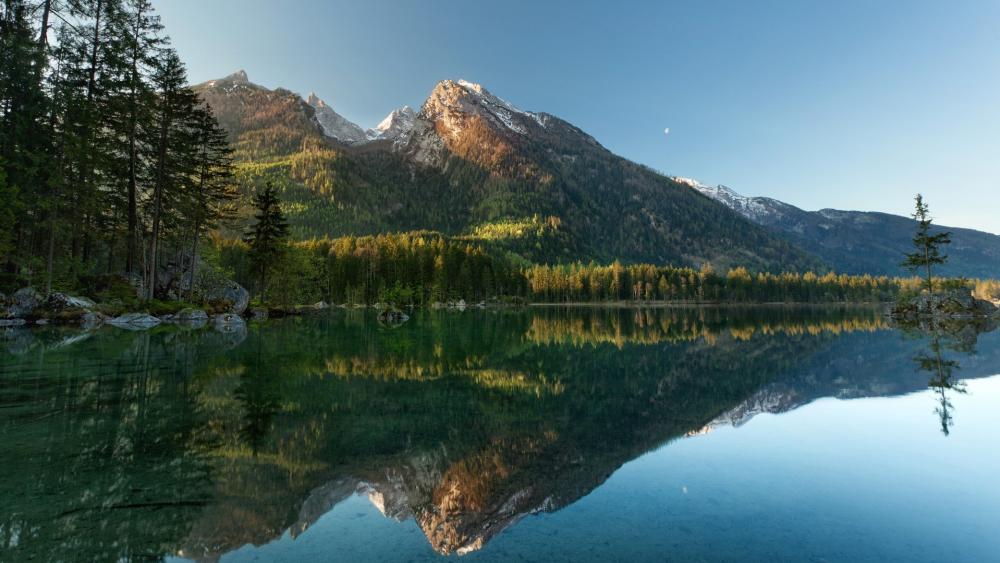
135, 321
228, 319
91, 320
393, 317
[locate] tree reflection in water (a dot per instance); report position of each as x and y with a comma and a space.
125, 446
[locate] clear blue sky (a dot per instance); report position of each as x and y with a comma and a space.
844, 104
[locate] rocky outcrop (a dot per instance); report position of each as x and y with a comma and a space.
135, 321
231, 295
951, 304
24, 302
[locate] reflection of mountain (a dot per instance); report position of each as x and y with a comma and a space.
464, 423
854, 367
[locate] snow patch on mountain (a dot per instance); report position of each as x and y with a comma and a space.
395, 127
761, 210
335, 125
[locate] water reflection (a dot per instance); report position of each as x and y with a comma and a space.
133, 446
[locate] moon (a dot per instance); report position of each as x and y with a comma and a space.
666, 131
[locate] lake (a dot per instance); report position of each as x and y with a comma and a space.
544, 434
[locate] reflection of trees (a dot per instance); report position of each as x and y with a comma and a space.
99, 460
942, 380
174, 441
258, 394
595, 326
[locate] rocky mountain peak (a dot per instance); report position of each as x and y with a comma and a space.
238, 77
335, 125
453, 101
397, 125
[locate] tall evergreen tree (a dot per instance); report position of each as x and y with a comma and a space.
927, 245
172, 155
211, 199
267, 237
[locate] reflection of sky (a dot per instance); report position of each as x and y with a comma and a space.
867, 479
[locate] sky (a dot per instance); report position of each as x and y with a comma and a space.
846, 105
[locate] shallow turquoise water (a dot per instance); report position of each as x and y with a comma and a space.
539, 435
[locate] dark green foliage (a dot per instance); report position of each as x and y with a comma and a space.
405, 269
645, 282
267, 239
112, 164
928, 245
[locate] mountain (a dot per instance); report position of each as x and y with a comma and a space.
858, 242
334, 125
469, 163
396, 125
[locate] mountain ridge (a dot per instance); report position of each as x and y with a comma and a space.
857, 242
469, 162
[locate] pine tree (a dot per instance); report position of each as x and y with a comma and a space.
213, 194
174, 152
267, 237
927, 245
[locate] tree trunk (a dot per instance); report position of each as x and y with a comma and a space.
133, 214
194, 260
43, 35
161, 163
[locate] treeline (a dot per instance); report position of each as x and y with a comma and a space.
406, 269
644, 282
109, 163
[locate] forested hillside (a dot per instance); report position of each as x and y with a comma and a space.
461, 170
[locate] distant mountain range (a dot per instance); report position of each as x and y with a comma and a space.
857, 242
469, 163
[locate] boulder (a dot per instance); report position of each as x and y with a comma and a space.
24, 302
258, 313
11, 322
135, 321
232, 293
190, 315
321, 305
60, 302
92, 319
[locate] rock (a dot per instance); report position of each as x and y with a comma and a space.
230, 323
461, 305
227, 319
24, 302
42, 322
393, 317
11, 322
258, 313
955, 303
60, 302
135, 321
233, 293
190, 315
321, 305
91, 320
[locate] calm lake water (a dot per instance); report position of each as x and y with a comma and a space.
538, 435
